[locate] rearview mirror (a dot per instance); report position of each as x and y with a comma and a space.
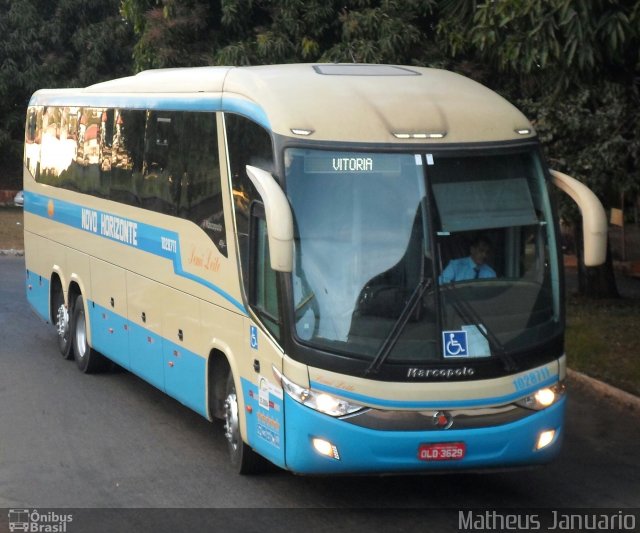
594, 218
279, 219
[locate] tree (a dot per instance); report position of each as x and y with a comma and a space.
246, 32
21, 45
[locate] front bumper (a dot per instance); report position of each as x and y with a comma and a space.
364, 450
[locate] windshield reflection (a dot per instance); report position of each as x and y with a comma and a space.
363, 246
360, 244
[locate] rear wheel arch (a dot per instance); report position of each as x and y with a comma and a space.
55, 296
73, 292
218, 370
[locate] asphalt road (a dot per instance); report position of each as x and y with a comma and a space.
111, 441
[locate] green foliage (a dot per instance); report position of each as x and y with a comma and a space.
20, 26
567, 41
246, 32
593, 134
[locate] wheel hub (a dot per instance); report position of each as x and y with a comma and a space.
231, 420
62, 321
81, 336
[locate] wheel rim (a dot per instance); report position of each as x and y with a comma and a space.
62, 322
81, 335
232, 430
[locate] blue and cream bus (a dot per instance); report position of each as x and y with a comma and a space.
267, 246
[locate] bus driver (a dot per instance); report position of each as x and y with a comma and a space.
474, 266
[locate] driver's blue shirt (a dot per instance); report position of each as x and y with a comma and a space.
465, 269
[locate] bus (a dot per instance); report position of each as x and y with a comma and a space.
268, 245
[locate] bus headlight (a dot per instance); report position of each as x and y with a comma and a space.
320, 401
543, 398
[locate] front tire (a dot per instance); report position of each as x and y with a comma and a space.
243, 458
88, 360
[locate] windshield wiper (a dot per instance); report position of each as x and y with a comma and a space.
398, 327
468, 314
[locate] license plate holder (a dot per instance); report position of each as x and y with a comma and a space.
442, 451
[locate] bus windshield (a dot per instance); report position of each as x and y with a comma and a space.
372, 228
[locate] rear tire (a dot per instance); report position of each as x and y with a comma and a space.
243, 458
88, 360
62, 322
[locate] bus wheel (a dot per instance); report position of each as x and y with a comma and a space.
243, 458
62, 324
88, 360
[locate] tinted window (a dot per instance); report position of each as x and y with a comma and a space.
161, 161
127, 155
33, 138
248, 144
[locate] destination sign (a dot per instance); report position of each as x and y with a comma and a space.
349, 163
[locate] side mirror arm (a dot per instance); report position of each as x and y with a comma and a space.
279, 219
594, 218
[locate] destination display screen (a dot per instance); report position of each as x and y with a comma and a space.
351, 163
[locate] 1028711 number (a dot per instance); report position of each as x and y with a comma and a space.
531, 379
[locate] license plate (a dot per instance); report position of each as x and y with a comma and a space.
443, 451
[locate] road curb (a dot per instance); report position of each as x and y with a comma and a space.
11, 251
608, 391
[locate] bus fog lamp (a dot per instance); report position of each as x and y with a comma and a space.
545, 438
324, 447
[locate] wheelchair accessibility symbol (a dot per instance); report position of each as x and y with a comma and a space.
253, 337
454, 343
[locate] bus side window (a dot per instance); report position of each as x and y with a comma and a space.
196, 186
106, 152
127, 156
248, 144
50, 146
32, 141
263, 294
156, 174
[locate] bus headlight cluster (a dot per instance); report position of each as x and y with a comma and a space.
543, 398
319, 401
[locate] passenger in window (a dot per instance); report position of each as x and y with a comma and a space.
474, 266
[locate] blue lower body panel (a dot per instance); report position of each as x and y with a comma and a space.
265, 422
38, 294
364, 450
109, 334
180, 373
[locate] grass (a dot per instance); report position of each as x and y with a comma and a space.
602, 341
602, 336
11, 228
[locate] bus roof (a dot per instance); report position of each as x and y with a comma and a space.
330, 102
